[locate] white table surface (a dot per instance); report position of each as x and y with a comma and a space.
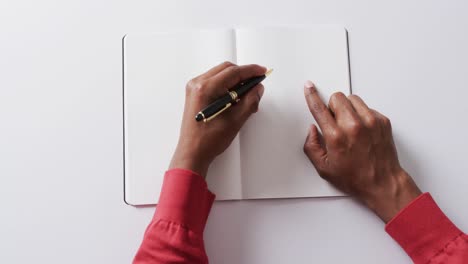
61, 127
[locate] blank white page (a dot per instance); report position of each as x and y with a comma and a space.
272, 159
156, 69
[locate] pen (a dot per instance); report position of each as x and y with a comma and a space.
233, 96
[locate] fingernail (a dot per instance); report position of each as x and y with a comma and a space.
260, 92
309, 87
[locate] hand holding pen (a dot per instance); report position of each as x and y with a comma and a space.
199, 143
233, 96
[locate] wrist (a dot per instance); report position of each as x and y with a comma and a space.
395, 196
189, 161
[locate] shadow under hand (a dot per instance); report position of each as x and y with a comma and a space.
408, 158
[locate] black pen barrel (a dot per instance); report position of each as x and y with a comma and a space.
214, 107
246, 86
233, 96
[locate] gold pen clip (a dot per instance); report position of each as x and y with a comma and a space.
219, 112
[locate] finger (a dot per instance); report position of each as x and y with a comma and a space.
365, 114
319, 110
345, 114
315, 150
215, 70
220, 83
246, 106
359, 105
384, 121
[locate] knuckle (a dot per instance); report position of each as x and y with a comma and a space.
193, 83
190, 86
313, 91
198, 87
354, 127
371, 121
337, 96
227, 64
353, 97
386, 122
318, 107
335, 99
234, 70
340, 95
308, 147
336, 138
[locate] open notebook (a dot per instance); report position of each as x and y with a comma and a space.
266, 159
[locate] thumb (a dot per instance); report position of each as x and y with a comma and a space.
249, 104
314, 148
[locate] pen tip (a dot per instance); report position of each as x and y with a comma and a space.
268, 72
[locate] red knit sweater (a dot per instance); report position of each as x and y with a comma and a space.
175, 235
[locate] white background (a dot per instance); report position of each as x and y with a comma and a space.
61, 127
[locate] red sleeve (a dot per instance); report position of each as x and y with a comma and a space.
175, 235
427, 235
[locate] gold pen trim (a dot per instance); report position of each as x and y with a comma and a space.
219, 112
233, 95
234, 98
202, 114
